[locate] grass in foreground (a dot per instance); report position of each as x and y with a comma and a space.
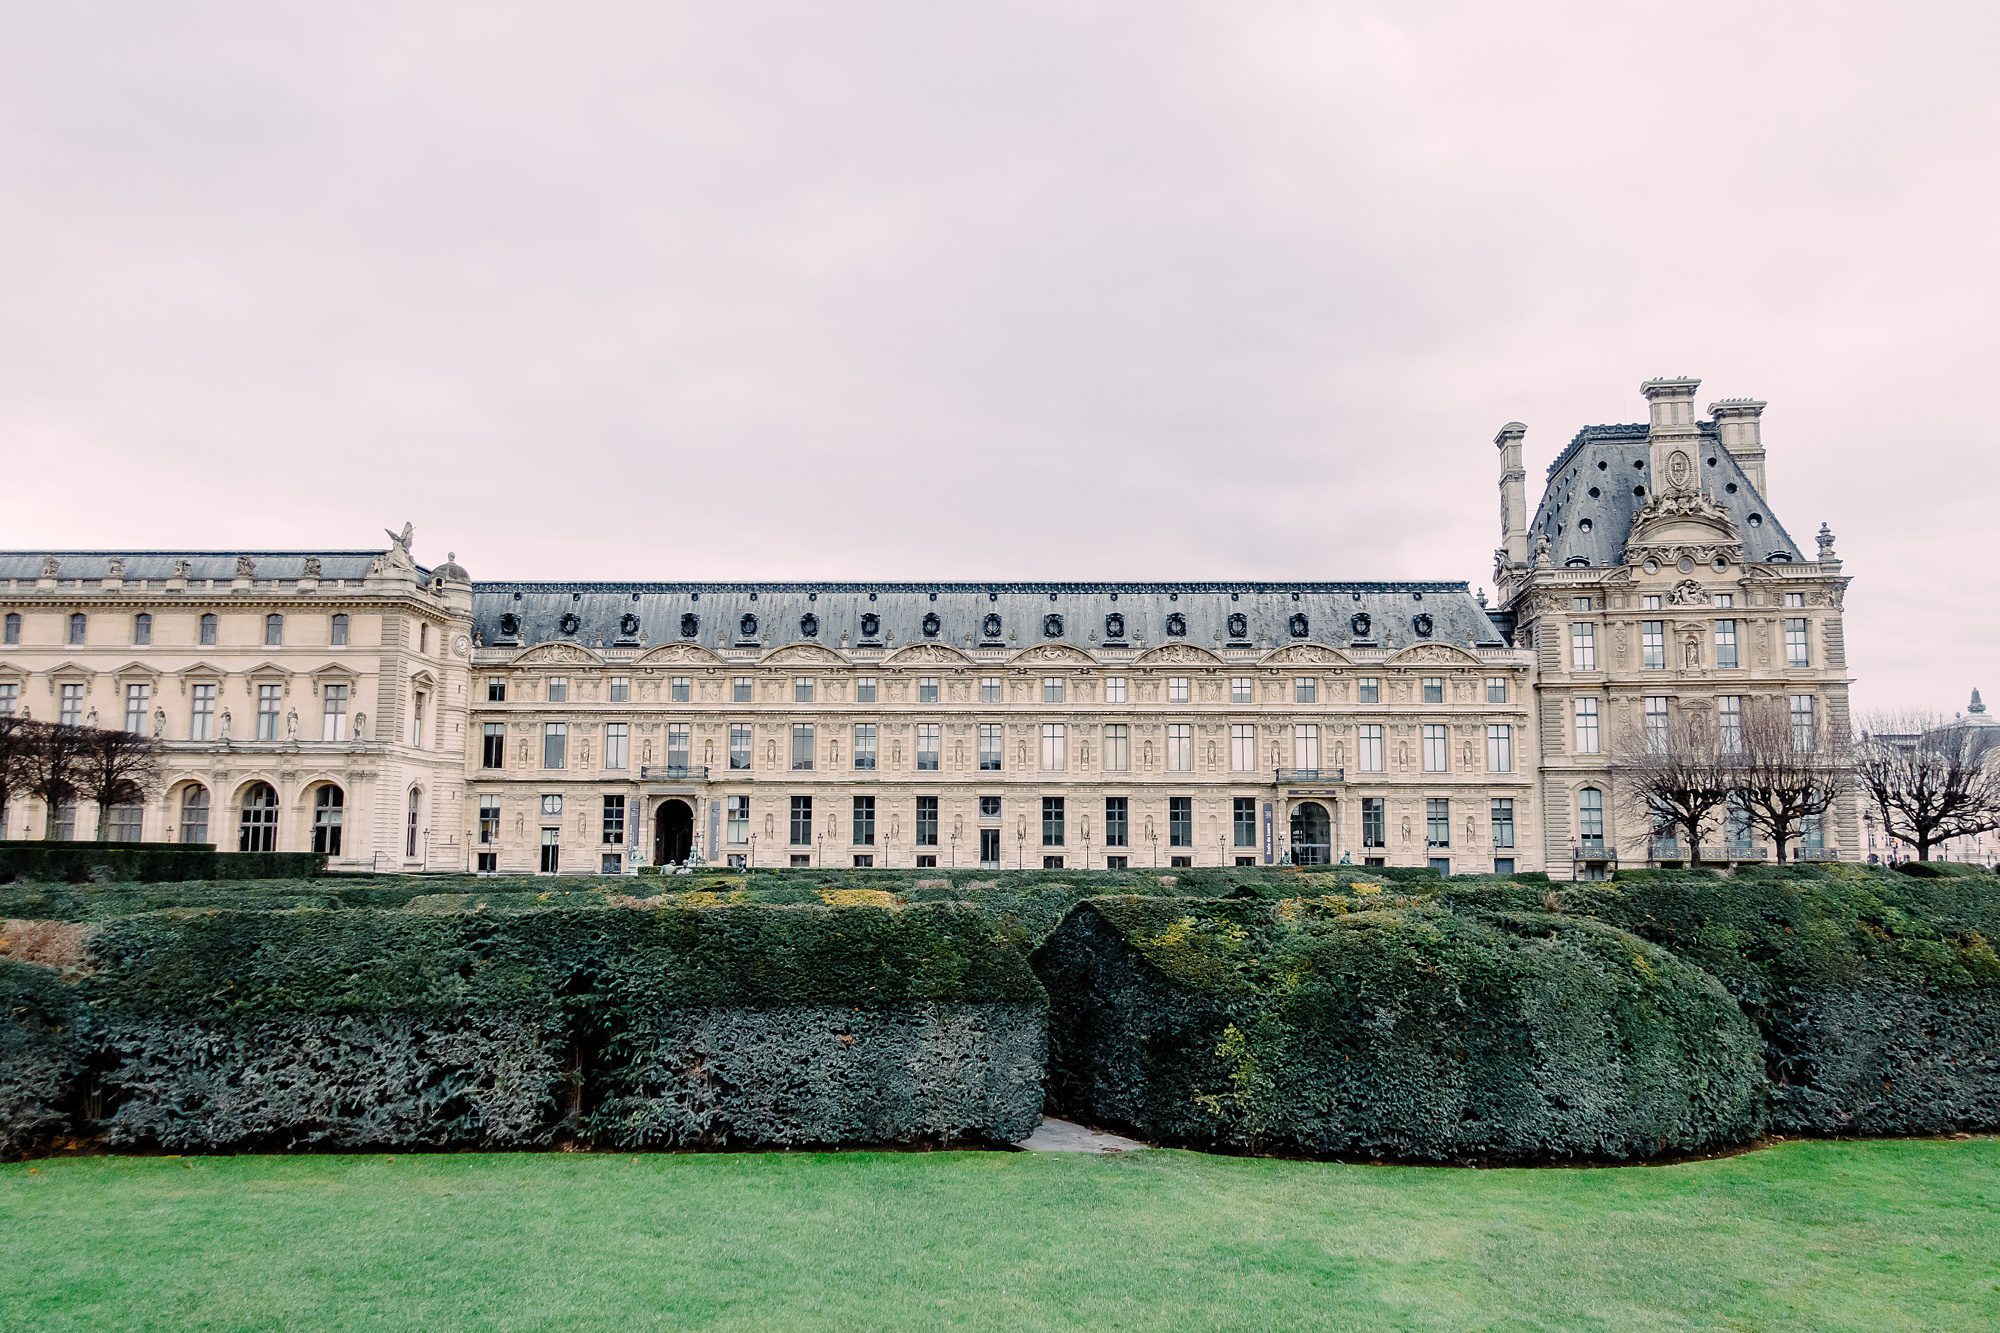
1877, 1235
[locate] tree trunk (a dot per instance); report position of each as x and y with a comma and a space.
103, 820
1778, 843
1924, 846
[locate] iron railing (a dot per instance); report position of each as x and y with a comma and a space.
673, 772
1285, 775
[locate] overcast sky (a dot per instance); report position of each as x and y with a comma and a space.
1147, 291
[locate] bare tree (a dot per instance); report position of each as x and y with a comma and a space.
17, 740
1786, 770
52, 763
1930, 778
1676, 777
116, 767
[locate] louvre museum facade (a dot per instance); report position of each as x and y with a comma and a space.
398, 716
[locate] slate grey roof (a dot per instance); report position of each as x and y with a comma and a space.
1615, 459
1084, 612
202, 564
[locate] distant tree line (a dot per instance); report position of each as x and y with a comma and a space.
60, 763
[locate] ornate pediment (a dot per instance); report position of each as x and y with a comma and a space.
803, 653
1307, 653
925, 654
669, 653
1433, 654
1053, 654
1177, 654
1676, 521
557, 654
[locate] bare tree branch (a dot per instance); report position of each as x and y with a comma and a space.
1930, 778
1676, 777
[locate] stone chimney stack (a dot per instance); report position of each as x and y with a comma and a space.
1672, 402
1740, 421
1513, 493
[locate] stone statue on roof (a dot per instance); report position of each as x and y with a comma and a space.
401, 541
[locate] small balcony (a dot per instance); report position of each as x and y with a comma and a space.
1815, 853
673, 772
1666, 849
1744, 852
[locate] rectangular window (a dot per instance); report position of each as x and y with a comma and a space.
274, 631
555, 744
679, 739
927, 821
618, 746
70, 712
1656, 723
1241, 690
551, 851
802, 689
739, 747
1805, 727
864, 745
201, 724
1117, 748
1180, 747
989, 689
1180, 821
802, 747
1725, 600
990, 746
1437, 748
1503, 823
489, 820
621, 689
1114, 689
1725, 644
927, 689
614, 821
1243, 820
864, 689
1729, 722
1649, 601
1052, 821
736, 824
1305, 747
1374, 821
1590, 819
1653, 645
11, 634
1368, 690
1583, 647
208, 623
496, 689
1580, 604
864, 821
1177, 689
1368, 747
1052, 689
989, 848
1437, 822
1305, 690
333, 714
927, 746
1586, 726
1496, 689
802, 821
269, 699
142, 630
558, 689
739, 689
1797, 654
1117, 822
10, 698
1055, 747
1795, 599
138, 704
1242, 747
492, 745
1433, 689
337, 631
1499, 748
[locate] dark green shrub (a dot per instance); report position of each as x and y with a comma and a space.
146, 862
1940, 869
39, 1057
1393, 1028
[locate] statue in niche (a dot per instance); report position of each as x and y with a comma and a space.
1402, 754
1146, 754
520, 825
646, 752
291, 724
708, 753
361, 727
957, 826
583, 751
90, 718
1406, 829
524, 754
227, 721
769, 828
1466, 752
159, 722
770, 754
1691, 653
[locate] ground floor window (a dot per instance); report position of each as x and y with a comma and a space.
1441, 864
1114, 863
487, 863
1052, 863
329, 817
551, 850
925, 862
611, 863
1180, 861
801, 859
125, 822
989, 848
862, 860
1503, 865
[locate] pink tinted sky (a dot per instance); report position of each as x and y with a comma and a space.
1056, 291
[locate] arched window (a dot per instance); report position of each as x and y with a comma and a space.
1590, 819
328, 812
410, 824
338, 636
142, 629
257, 830
194, 814
274, 630
13, 632
208, 630
79, 627
125, 821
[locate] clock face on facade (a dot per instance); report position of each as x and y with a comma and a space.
461, 645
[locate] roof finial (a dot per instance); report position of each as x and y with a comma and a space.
1825, 542
1976, 706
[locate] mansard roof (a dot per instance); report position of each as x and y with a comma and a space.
1090, 616
1613, 459
220, 565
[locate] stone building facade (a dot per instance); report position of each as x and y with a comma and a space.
403, 717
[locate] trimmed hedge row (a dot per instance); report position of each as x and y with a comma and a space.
1402, 1030
87, 862
39, 1058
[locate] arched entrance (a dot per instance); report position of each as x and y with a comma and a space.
1312, 834
673, 833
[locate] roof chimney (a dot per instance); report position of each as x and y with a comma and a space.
1513, 493
1740, 422
1672, 402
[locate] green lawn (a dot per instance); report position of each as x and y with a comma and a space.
1824, 1235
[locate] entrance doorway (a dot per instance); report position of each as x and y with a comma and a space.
673, 833
1312, 834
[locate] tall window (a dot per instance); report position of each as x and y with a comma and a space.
337, 632
1052, 821
1437, 822
680, 738
12, 633
412, 818
990, 746
208, 629
329, 813
1117, 822
1242, 690
1437, 747
257, 821
1496, 689
1729, 722
736, 827
419, 709
555, 744
1653, 645
927, 746
1583, 646
274, 631
333, 713
1374, 821
927, 821
1797, 654
1656, 723
194, 814
269, 698
739, 746
802, 821
927, 689
1177, 689
739, 689
493, 745
1499, 747
864, 745
1114, 689
496, 689
1305, 746
1368, 747
201, 712
618, 746
989, 689
1180, 747
1180, 821
142, 629
1242, 747
802, 689
551, 861
69, 710
1052, 689
864, 689
1305, 690
612, 825
864, 821
1243, 820
1117, 747
1590, 819
1055, 747
802, 747
1433, 689
1368, 690
1503, 823
1586, 726
1725, 644
138, 703
79, 628
558, 689
489, 820
1805, 729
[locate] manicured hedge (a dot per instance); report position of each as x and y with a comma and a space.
85, 862
1391, 1028
39, 1058
1942, 869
